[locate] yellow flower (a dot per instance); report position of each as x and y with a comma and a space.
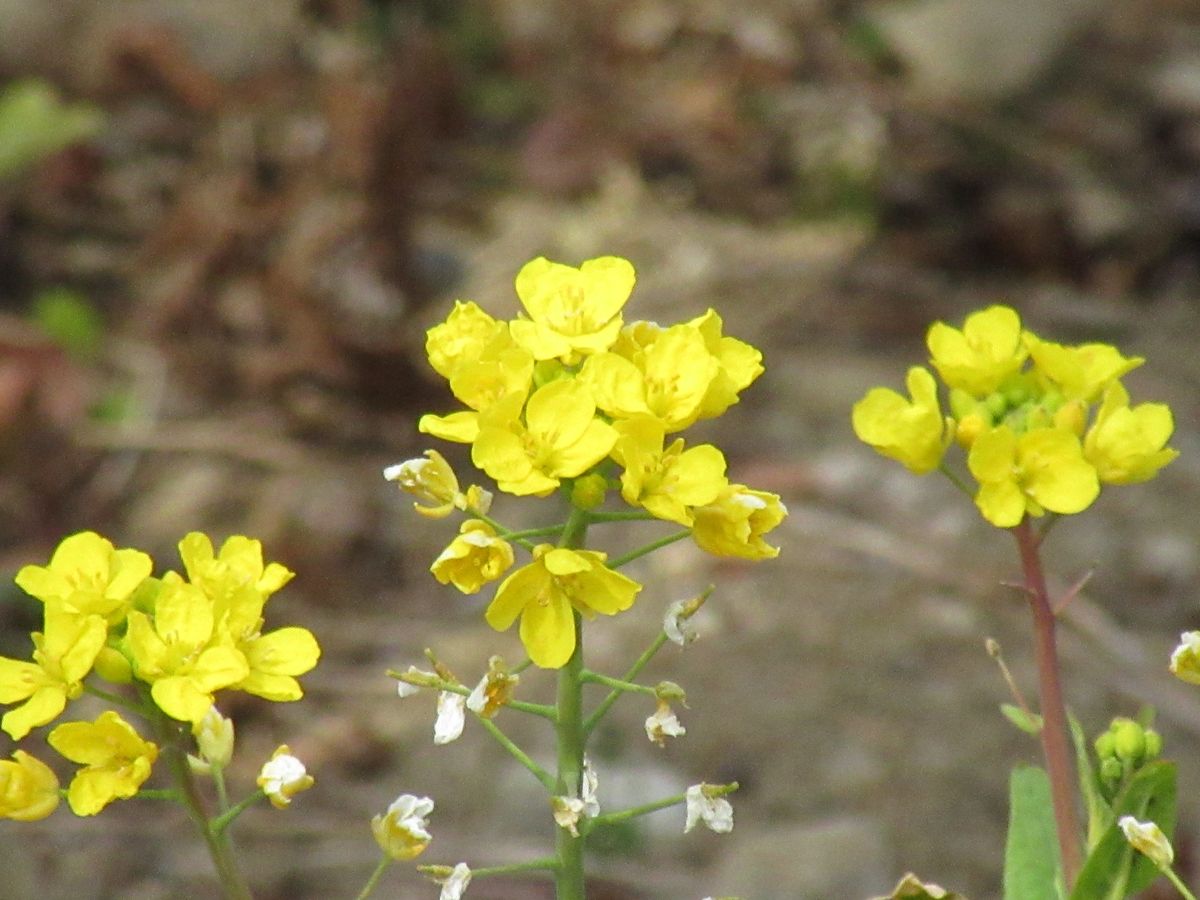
739, 363
283, 776
572, 312
734, 523
432, 479
473, 558
560, 438
174, 652
214, 736
1040, 470
463, 337
1128, 445
500, 371
88, 575
669, 379
912, 432
980, 357
28, 788
63, 656
233, 576
116, 760
666, 482
403, 831
547, 591
1185, 660
275, 659
1080, 373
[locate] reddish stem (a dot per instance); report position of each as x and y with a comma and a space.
1056, 742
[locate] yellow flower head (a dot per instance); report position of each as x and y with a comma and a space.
559, 438
1079, 373
462, 338
547, 591
979, 358
666, 482
88, 575
236, 580
175, 651
739, 365
1128, 445
572, 312
1040, 470
28, 788
912, 432
283, 776
63, 656
474, 558
116, 761
500, 371
403, 831
734, 523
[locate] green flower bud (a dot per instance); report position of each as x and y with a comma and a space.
1111, 770
996, 405
1154, 744
1129, 739
588, 492
1106, 746
963, 404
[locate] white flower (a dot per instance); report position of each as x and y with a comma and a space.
567, 811
588, 786
1147, 838
676, 625
494, 690
715, 812
282, 777
454, 885
1185, 660
450, 717
663, 724
403, 832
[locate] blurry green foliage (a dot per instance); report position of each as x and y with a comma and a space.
70, 320
35, 123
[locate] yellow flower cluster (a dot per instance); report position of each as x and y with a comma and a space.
182, 637
570, 397
1043, 425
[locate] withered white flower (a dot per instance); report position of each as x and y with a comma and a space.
450, 717
716, 812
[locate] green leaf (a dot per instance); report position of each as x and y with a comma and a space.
34, 124
70, 320
1031, 864
1030, 723
1100, 815
1114, 870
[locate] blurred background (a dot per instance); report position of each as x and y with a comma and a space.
225, 227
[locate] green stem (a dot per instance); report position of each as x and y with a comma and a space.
154, 794
222, 822
956, 481
649, 548
546, 864
501, 531
617, 684
570, 737
1179, 885
621, 517
116, 700
441, 684
635, 811
517, 753
532, 532
174, 741
373, 881
1056, 743
636, 669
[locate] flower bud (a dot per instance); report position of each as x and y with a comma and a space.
214, 738
1154, 744
1112, 770
403, 831
970, 427
1129, 740
1071, 417
588, 492
282, 777
1106, 746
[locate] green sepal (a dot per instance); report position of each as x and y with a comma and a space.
1031, 861
1030, 723
1114, 870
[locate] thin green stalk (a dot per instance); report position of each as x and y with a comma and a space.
1179, 885
517, 753
635, 811
222, 822
621, 517
636, 669
617, 684
115, 699
546, 864
649, 548
956, 481
373, 881
440, 684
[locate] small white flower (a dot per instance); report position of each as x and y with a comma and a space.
676, 626
282, 777
403, 832
589, 785
567, 811
1148, 838
663, 724
404, 689
454, 886
715, 812
450, 717
1185, 660
407, 688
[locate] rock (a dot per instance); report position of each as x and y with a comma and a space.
1175, 85
979, 49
